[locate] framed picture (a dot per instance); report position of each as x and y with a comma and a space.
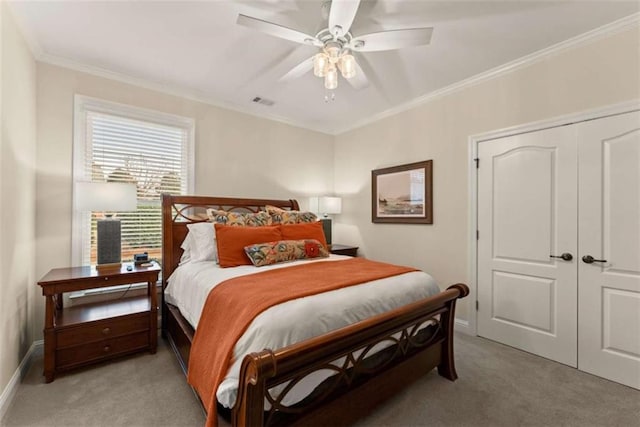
402, 194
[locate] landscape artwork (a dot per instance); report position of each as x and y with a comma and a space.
402, 194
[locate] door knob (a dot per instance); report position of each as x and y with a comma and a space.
565, 256
588, 259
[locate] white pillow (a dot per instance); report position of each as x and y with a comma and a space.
201, 242
186, 250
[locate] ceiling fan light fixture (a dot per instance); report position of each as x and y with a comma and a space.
320, 64
331, 78
347, 66
337, 31
333, 50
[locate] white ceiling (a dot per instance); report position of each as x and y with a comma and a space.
196, 48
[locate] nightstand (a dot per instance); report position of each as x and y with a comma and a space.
339, 249
89, 333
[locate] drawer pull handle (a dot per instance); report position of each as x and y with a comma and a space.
106, 331
107, 348
106, 278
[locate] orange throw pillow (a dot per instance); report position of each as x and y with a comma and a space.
231, 241
304, 231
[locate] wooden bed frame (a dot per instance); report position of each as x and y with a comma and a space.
361, 381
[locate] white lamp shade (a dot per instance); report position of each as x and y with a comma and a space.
330, 205
105, 196
313, 204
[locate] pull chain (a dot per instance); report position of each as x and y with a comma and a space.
329, 97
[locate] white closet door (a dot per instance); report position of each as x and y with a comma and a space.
609, 227
527, 209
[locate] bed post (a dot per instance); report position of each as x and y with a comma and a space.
249, 408
447, 366
167, 244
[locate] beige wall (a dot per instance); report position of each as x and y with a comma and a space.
235, 154
604, 72
17, 196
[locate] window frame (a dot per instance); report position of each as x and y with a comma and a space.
84, 104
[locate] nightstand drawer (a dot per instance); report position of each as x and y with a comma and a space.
90, 352
96, 331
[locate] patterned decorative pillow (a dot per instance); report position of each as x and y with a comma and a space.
284, 250
259, 219
283, 216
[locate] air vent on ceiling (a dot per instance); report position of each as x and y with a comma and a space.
263, 101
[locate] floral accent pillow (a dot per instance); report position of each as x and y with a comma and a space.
284, 250
283, 216
259, 219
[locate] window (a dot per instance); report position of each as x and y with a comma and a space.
118, 143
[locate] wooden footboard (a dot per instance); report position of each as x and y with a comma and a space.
361, 381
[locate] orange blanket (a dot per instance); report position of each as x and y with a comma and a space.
233, 304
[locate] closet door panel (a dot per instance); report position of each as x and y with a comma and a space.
609, 230
527, 208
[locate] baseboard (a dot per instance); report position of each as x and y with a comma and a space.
463, 326
10, 390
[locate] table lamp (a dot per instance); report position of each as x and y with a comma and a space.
107, 197
328, 206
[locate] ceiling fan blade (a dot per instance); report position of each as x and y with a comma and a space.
359, 81
299, 70
277, 30
341, 16
394, 39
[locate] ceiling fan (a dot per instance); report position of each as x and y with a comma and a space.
336, 44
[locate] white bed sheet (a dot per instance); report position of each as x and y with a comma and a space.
290, 322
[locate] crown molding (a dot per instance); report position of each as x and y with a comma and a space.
168, 89
605, 31
41, 56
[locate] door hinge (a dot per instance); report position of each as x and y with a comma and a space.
477, 234
477, 160
477, 305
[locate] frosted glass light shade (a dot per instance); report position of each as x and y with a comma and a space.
330, 205
331, 79
348, 66
105, 196
320, 62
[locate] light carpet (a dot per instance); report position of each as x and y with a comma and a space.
498, 386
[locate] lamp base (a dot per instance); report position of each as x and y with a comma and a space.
109, 245
112, 266
326, 227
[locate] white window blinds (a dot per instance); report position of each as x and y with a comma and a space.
122, 144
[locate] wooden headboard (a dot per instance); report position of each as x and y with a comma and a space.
179, 211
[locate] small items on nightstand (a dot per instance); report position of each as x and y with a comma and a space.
339, 249
139, 259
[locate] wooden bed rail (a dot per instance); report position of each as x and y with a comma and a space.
269, 375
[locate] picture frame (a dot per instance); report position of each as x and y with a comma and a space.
403, 194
